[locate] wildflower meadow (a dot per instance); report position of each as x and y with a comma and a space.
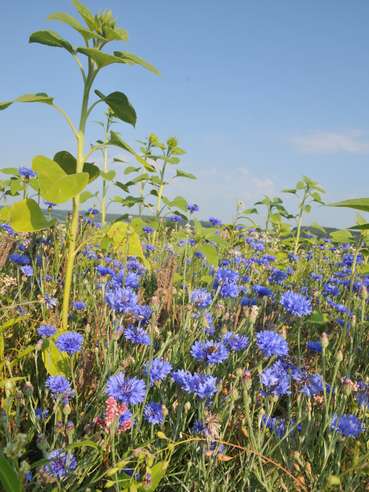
164, 350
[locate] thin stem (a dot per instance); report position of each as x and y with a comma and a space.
67, 118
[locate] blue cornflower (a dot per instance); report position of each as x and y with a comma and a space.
9, 230
235, 342
127, 390
296, 304
58, 385
149, 248
248, 301
41, 413
27, 270
26, 172
193, 208
314, 346
50, 301
46, 331
201, 385
175, 218
209, 352
157, 370
50, 204
120, 299
347, 425
132, 280
148, 229
271, 343
104, 270
278, 276
153, 413
276, 379
79, 305
274, 424
229, 291
215, 222
317, 277
262, 291
362, 394
137, 335
69, 342
314, 385
201, 298
20, 259
60, 464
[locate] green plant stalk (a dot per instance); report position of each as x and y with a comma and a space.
299, 224
73, 229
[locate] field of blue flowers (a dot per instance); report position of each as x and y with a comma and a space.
248, 372
162, 352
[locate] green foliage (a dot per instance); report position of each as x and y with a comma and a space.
24, 216
55, 184
8, 476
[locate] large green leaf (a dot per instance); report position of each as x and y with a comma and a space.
75, 24
51, 38
39, 97
126, 241
69, 164
8, 476
25, 216
47, 168
64, 189
210, 254
132, 59
120, 105
55, 185
341, 236
355, 203
56, 362
117, 141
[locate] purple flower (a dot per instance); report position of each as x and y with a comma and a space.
50, 302
27, 173
69, 342
235, 342
314, 346
314, 385
27, 270
201, 298
127, 390
120, 299
193, 208
79, 305
148, 230
262, 291
9, 230
276, 379
201, 385
60, 464
270, 343
209, 352
45, 331
137, 335
157, 370
296, 304
153, 413
347, 425
20, 259
58, 385
215, 222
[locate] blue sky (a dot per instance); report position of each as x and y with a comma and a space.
258, 92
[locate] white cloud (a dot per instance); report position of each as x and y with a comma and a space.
332, 143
